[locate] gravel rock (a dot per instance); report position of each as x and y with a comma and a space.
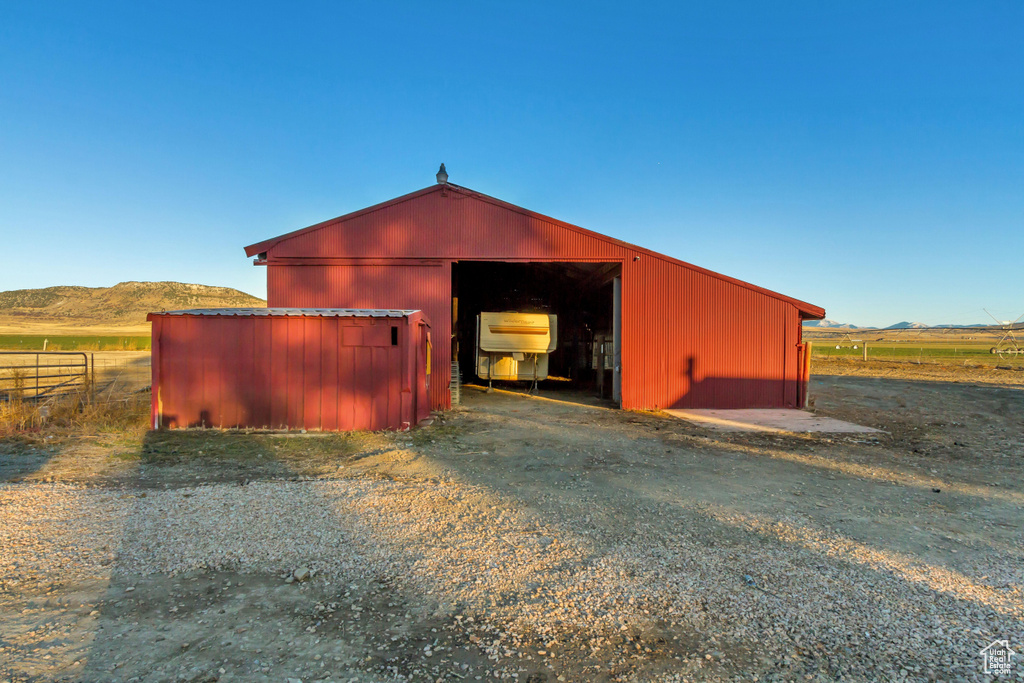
817, 597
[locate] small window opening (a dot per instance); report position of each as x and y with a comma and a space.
394, 336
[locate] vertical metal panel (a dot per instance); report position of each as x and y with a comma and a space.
346, 377
284, 372
261, 410
278, 372
154, 362
690, 338
329, 350
313, 379
295, 366
394, 372
362, 379
379, 399
426, 288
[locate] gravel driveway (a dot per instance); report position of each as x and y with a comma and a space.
533, 540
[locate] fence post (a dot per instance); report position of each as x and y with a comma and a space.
92, 378
865, 351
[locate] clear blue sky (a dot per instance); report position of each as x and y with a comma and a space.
866, 157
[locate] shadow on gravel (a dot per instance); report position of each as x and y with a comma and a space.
23, 457
228, 521
253, 626
431, 551
756, 559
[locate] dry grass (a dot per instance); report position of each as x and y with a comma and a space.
902, 370
73, 413
109, 442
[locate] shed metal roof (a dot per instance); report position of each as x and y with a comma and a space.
307, 312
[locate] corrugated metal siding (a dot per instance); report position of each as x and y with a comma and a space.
472, 229
288, 372
426, 288
690, 338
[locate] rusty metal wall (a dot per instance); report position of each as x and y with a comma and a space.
691, 337
308, 372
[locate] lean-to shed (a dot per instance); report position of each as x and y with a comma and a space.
294, 368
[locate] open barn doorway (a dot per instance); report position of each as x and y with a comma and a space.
581, 295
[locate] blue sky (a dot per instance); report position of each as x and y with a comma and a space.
866, 157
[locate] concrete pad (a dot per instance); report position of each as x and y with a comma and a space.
769, 420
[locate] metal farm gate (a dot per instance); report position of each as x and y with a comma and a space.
40, 375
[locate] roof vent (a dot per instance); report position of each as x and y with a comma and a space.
442, 176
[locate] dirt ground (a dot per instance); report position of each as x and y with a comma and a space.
927, 371
528, 539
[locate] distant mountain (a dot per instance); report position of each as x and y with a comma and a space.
828, 323
125, 303
906, 326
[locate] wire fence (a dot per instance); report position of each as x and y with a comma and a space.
42, 375
102, 389
125, 371
977, 355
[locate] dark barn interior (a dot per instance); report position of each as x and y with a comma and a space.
580, 294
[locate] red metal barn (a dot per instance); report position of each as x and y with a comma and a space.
331, 369
683, 336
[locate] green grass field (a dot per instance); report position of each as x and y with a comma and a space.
920, 351
34, 342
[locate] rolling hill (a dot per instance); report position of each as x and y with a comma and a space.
120, 308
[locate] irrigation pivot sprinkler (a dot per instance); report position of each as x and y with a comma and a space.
1007, 347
